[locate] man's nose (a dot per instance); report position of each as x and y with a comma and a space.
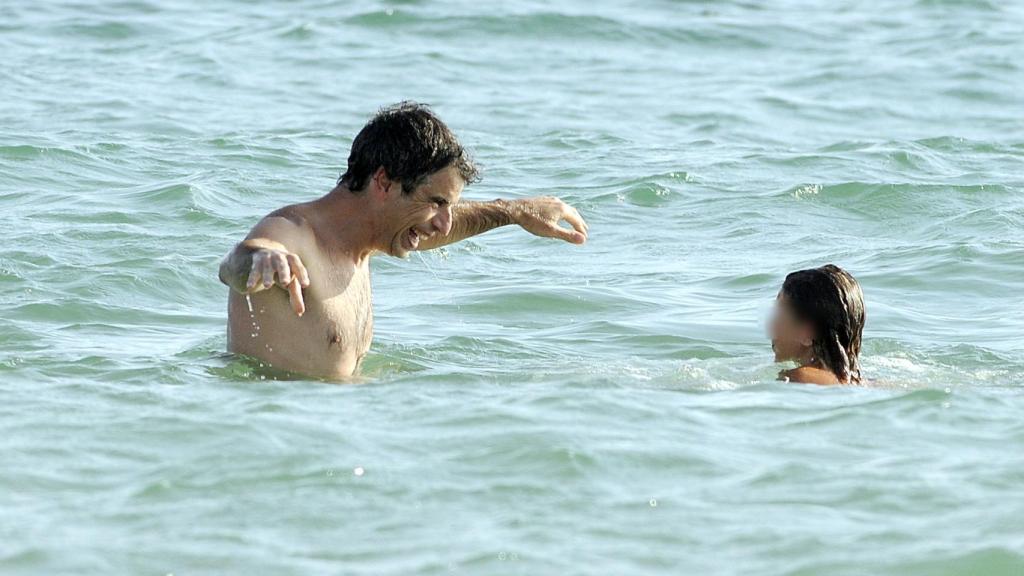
443, 221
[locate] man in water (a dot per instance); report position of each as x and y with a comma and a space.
300, 281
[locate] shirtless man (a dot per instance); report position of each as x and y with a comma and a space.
300, 281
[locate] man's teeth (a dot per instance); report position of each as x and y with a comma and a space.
414, 237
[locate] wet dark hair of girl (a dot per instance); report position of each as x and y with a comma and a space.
832, 302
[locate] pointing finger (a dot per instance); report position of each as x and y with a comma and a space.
295, 296
299, 270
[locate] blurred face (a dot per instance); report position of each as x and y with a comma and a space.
792, 339
410, 218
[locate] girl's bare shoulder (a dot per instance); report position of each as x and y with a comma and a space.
809, 375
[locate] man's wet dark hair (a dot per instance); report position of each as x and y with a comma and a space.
410, 142
831, 300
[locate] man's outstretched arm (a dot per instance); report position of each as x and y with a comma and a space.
539, 216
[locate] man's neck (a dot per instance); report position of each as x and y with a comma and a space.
346, 222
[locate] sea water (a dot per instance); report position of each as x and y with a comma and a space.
528, 406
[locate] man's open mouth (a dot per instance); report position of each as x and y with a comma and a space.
412, 238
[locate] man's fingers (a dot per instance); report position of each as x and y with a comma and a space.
267, 271
284, 272
295, 296
576, 221
299, 270
286, 267
586, 227
256, 273
572, 236
254, 277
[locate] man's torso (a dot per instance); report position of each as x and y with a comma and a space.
329, 340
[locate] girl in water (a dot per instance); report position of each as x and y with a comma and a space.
818, 321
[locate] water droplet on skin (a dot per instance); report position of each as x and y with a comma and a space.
255, 325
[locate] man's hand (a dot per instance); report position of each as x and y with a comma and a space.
277, 267
248, 269
541, 217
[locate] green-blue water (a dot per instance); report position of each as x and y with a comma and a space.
529, 407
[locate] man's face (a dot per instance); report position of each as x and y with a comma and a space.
424, 213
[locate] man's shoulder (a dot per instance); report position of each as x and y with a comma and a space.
294, 214
289, 226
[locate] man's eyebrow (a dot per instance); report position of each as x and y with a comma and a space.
440, 200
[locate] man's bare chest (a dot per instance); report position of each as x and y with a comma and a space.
340, 301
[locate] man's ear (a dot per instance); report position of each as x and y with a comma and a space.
382, 184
